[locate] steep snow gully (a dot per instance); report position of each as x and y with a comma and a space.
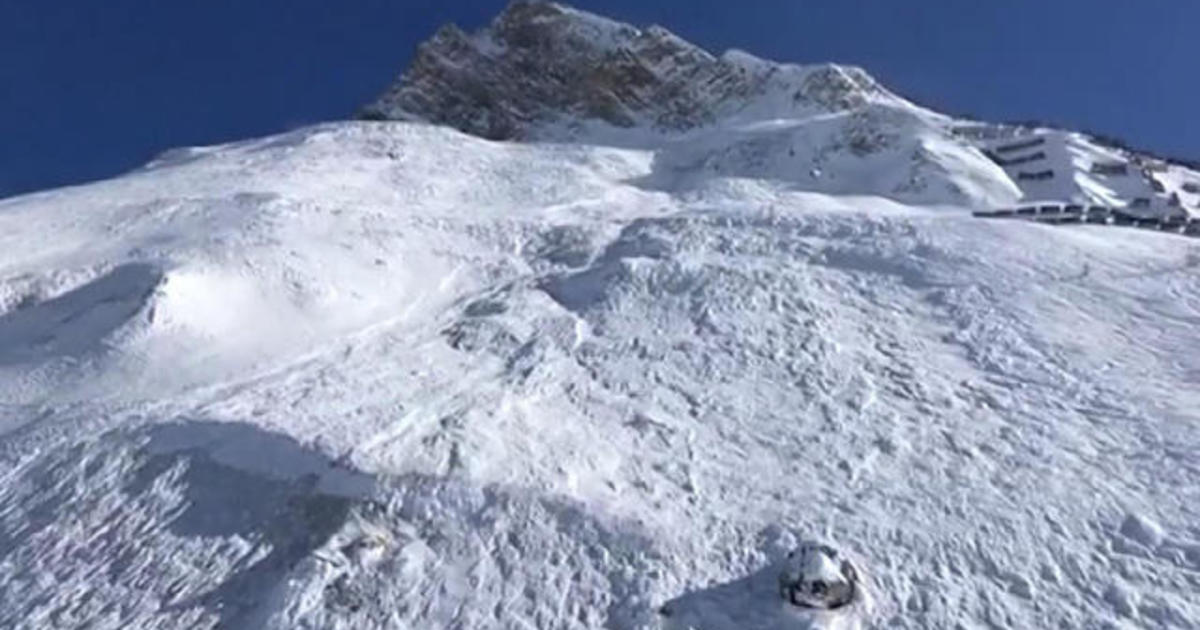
752, 375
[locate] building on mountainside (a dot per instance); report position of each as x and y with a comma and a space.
1150, 164
1037, 176
984, 131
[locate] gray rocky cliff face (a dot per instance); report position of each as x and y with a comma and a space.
541, 63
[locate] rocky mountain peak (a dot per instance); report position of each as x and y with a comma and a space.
540, 63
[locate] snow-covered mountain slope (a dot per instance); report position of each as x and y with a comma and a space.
548, 72
393, 375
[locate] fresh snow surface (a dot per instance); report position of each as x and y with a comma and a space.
387, 375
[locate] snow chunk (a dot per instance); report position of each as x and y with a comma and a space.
1140, 528
1121, 599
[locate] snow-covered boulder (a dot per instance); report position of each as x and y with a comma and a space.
814, 576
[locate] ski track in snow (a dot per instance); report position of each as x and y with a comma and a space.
389, 375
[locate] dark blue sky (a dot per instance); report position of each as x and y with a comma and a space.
92, 88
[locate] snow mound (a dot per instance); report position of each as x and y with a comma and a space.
76, 322
875, 151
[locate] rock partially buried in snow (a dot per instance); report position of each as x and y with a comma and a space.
814, 576
366, 550
363, 542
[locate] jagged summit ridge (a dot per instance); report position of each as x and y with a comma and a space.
539, 63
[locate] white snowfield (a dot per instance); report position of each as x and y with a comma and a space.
390, 375
387, 375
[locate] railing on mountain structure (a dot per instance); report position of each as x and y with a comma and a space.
1006, 162
1054, 214
1110, 168
1038, 176
1020, 146
1024, 159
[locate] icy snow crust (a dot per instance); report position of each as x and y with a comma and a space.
373, 375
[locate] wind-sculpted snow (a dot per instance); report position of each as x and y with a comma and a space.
111, 517
198, 523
